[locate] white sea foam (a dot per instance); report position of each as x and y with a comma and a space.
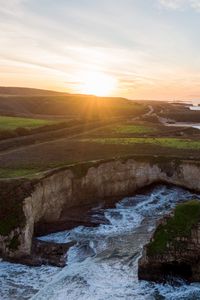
59, 237
103, 264
21, 282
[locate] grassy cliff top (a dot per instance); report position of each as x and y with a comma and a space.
186, 216
167, 164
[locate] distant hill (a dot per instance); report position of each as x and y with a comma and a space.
22, 91
36, 103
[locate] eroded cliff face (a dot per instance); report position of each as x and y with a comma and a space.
66, 188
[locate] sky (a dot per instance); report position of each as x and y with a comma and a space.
138, 49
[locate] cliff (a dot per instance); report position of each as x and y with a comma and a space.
26, 204
175, 246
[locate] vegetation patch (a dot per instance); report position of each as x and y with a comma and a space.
163, 142
165, 163
11, 123
11, 217
186, 215
14, 243
11, 204
15, 173
134, 129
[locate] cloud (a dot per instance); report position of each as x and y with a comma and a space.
48, 46
172, 4
11, 6
195, 4
181, 4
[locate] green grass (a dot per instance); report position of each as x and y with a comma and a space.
164, 142
186, 215
135, 129
11, 123
14, 173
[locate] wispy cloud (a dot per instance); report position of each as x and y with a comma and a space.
196, 4
172, 4
181, 4
48, 44
12, 7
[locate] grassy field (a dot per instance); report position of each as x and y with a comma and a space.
19, 172
89, 144
163, 142
99, 128
41, 157
122, 128
11, 123
135, 129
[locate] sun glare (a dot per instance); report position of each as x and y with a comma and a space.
99, 84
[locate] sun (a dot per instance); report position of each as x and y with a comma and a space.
97, 83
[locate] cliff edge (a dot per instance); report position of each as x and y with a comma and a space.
28, 204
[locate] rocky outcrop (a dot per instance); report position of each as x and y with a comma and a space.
45, 253
50, 199
174, 249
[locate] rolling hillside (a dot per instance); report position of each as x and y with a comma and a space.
22, 91
36, 103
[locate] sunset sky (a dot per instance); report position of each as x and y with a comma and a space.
139, 49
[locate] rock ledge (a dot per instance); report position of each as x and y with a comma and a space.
174, 249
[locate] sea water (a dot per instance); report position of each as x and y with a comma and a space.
103, 264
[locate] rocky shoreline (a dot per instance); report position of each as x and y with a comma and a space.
45, 253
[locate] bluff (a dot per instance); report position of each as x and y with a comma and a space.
26, 204
174, 249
